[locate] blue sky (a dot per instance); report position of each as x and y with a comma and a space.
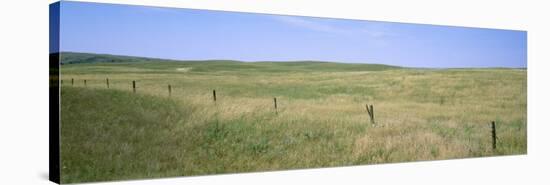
200, 35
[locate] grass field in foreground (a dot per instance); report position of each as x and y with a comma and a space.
421, 114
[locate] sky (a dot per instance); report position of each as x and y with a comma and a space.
186, 34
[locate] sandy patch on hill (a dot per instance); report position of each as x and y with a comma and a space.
184, 69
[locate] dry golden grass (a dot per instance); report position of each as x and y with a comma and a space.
420, 114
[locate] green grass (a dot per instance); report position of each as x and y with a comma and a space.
421, 114
105, 133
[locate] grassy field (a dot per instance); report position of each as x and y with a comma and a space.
421, 114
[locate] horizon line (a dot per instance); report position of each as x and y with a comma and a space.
301, 60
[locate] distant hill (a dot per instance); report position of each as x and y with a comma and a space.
79, 58
223, 65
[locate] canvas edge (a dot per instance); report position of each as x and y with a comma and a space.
54, 93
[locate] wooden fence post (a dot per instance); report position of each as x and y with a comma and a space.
214, 95
370, 111
134, 86
169, 90
275, 103
85, 83
107, 80
72, 81
494, 134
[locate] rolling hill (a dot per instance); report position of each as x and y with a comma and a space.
220, 65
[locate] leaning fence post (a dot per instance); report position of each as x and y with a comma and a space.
134, 86
214, 95
370, 111
275, 103
107, 81
494, 134
169, 90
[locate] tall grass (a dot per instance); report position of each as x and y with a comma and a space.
421, 114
